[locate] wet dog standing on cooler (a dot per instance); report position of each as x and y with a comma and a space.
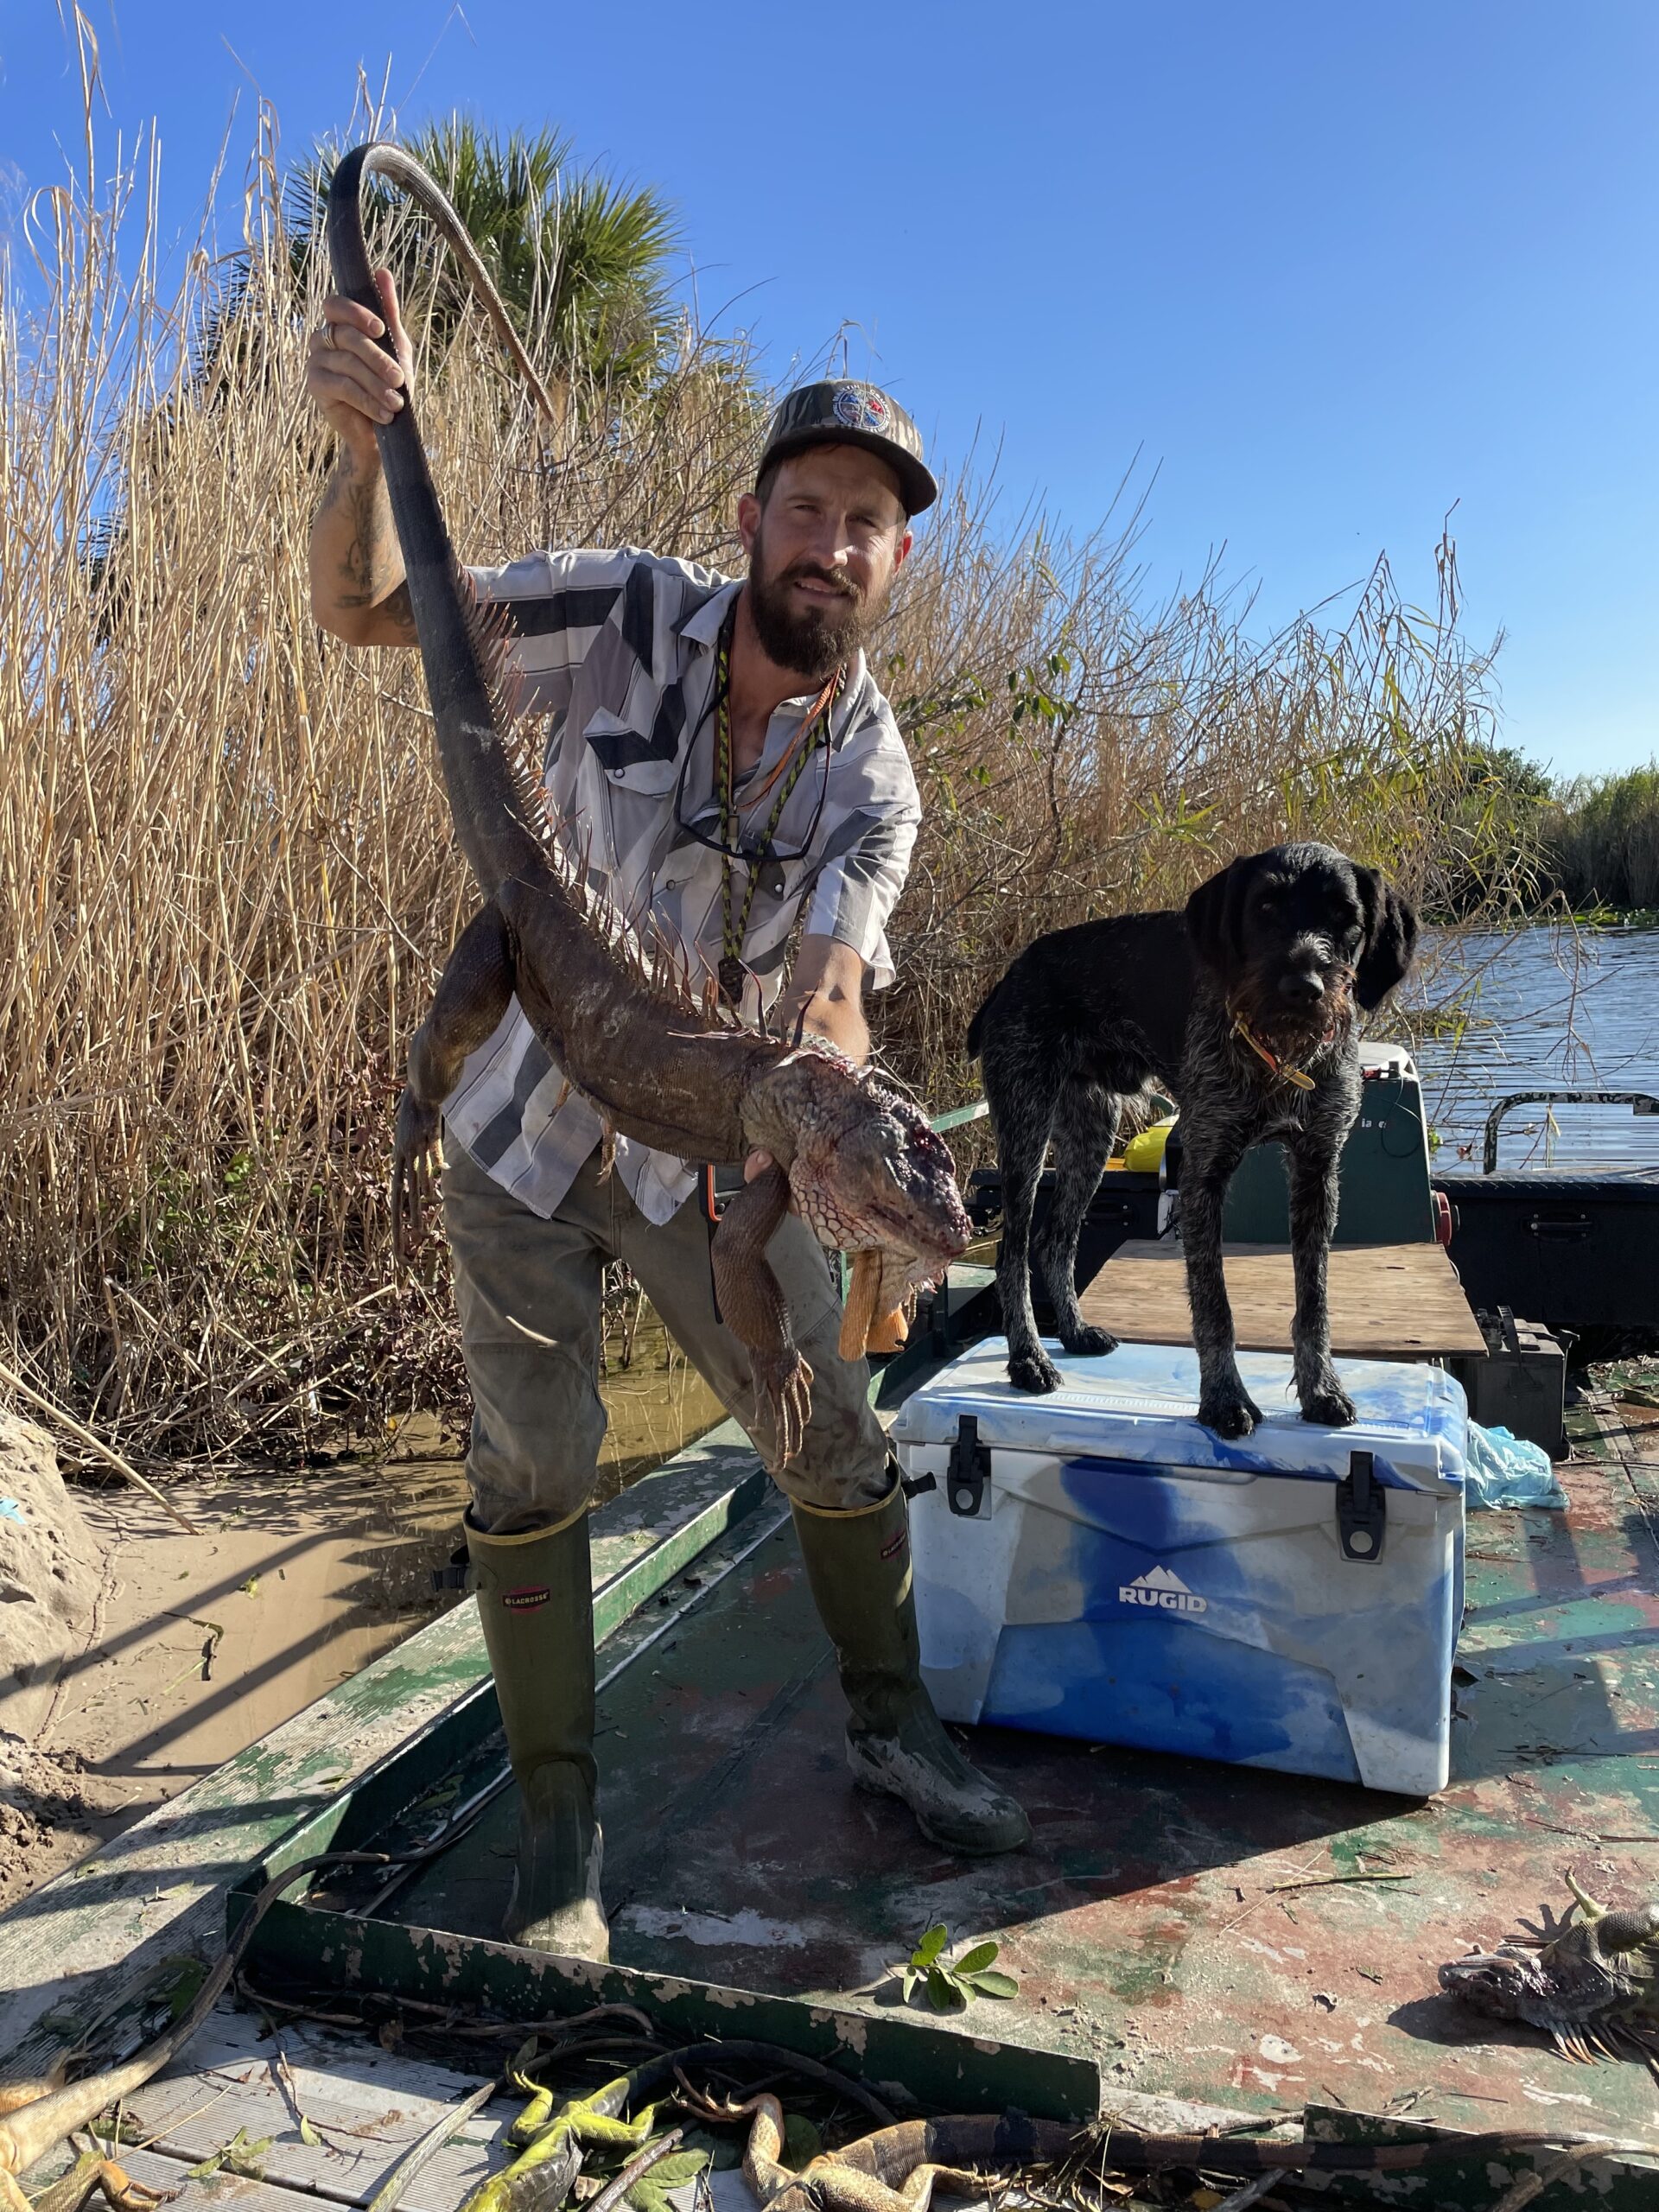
1245, 1007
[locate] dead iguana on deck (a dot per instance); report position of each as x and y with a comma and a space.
657, 1064
901, 2168
1592, 1983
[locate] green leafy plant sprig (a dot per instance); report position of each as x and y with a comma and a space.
949, 1984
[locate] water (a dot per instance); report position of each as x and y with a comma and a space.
1547, 1009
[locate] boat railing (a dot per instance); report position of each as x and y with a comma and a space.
959, 1116
1639, 1102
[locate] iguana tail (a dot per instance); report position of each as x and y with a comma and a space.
493, 811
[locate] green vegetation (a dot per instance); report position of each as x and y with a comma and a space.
1587, 847
581, 262
951, 1984
1600, 837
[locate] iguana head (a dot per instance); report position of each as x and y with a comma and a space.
1569, 1976
867, 1174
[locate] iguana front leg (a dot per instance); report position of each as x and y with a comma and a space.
472, 994
753, 1307
90, 2175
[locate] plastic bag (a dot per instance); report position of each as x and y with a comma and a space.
1502, 1471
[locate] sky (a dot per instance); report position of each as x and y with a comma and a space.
1315, 273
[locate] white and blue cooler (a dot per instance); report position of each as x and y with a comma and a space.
1094, 1563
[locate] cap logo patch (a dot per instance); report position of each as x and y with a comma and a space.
525, 1599
860, 408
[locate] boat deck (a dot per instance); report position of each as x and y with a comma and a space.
1243, 1937
1186, 1935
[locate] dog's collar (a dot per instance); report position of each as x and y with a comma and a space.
1270, 1059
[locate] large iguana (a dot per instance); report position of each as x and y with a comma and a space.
900, 2169
656, 1060
1591, 1983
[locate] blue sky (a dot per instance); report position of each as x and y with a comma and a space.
1329, 269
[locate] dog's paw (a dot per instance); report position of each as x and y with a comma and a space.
1330, 1407
1034, 1371
1090, 1344
1228, 1413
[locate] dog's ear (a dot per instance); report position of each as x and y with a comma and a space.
1215, 918
1390, 938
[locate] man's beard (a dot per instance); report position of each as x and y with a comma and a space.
812, 641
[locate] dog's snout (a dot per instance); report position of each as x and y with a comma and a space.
1301, 987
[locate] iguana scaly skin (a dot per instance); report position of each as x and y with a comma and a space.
650, 1054
1592, 1983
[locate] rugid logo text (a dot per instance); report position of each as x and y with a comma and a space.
1160, 1588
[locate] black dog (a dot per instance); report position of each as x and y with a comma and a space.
1246, 1008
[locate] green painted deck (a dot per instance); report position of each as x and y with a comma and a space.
75, 1946
1156, 1925
1174, 1924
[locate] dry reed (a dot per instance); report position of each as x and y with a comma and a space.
228, 875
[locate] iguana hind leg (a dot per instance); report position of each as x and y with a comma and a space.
473, 993
754, 1309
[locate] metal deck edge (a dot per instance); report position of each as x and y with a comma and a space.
908, 2058
1613, 2184
84, 1940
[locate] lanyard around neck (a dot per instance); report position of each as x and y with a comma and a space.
814, 732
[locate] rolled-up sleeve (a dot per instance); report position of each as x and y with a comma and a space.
874, 813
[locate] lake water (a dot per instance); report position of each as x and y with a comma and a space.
1546, 1008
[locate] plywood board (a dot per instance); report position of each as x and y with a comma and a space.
1388, 1301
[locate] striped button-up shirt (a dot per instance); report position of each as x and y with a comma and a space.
614, 653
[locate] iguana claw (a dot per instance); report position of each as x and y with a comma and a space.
782, 1402
414, 1164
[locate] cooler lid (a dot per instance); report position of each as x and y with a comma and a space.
1141, 1403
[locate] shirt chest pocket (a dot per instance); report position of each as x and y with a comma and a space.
623, 757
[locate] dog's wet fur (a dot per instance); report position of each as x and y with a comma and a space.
1297, 943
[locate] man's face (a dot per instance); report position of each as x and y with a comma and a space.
823, 555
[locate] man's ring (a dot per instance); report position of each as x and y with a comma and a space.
326, 333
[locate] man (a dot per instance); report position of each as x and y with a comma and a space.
720, 753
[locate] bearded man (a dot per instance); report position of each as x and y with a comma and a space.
719, 752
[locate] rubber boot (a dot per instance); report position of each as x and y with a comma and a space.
858, 1565
535, 1599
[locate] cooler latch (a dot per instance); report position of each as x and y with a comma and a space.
1362, 1511
967, 1469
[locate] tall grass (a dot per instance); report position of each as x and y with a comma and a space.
1601, 840
227, 873
1083, 752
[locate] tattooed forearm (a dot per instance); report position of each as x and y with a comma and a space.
356, 570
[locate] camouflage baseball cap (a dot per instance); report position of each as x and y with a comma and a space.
842, 413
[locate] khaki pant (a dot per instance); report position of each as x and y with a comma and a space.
537, 1419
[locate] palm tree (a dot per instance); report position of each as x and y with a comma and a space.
581, 261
